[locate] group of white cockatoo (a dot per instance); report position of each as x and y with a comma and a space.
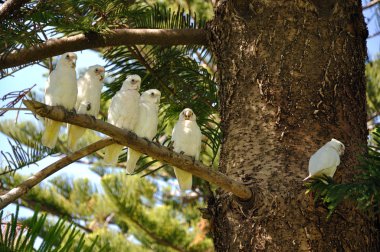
139, 113
128, 110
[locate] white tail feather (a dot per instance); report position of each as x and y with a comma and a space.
74, 133
112, 153
50, 135
133, 157
185, 179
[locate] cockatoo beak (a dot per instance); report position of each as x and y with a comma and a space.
188, 114
101, 74
73, 62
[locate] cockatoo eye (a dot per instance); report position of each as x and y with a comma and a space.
67, 56
133, 80
152, 94
96, 70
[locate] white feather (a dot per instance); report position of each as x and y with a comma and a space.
88, 101
187, 138
123, 113
326, 160
61, 90
147, 123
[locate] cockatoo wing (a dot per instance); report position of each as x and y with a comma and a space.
123, 113
187, 138
324, 161
61, 90
146, 127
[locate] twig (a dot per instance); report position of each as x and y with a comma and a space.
374, 35
17, 109
17, 95
370, 4
28, 184
116, 37
142, 145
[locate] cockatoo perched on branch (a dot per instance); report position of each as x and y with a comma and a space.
146, 124
187, 139
123, 113
326, 159
88, 101
61, 90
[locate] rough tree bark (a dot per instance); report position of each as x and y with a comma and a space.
291, 77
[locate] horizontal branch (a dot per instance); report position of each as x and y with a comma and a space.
142, 145
117, 37
25, 186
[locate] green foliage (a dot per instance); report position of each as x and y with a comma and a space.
363, 191
155, 226
373, 87
20, 237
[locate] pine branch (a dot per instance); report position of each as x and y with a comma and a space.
25, 186
33, 205
10, 6
155, 237
117, 37
142, 145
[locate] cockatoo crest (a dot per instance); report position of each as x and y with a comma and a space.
187, 114
132, 82
67, 60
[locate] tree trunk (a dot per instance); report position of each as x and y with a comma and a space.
291, 77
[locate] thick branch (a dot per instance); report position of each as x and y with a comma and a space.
142, 145
25, 186
9, 6
370, 4
117, 37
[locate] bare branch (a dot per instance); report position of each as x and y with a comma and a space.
370, 4
16, 96
10, 6
143, 145
25, 186
117, 37
374, 35
17, 109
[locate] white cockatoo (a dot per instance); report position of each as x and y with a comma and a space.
88, 101
147, 123
61, 90
123, 113
187, 139
326, 159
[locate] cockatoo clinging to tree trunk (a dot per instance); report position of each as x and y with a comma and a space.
187, 139
61, 90
147, 123
88, 101
326, 159
123, 113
